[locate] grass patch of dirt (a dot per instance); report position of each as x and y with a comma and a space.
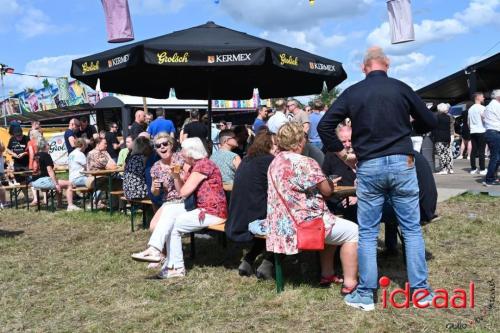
67, 272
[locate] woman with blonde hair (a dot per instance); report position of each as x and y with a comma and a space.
205, 204
297, 189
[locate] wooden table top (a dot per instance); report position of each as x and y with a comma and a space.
103, 172
24, 172
345, 191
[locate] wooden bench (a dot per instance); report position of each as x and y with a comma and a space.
50, 193
14, 194
85, 191
143, 203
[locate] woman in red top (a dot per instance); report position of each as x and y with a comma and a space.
204, 182
35, 136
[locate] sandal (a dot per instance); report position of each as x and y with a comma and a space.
347, 290
328, 280
149, 255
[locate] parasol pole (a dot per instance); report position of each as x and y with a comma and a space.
145, 105
209, 112
3, 94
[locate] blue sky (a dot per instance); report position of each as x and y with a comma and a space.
43, 36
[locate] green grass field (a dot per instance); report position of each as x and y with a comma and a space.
68, 272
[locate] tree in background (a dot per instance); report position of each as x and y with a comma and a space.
326, 96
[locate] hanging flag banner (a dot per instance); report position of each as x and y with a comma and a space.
118, 22
63, 86
400, 21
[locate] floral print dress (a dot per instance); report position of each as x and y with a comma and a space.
295, 177
164, 174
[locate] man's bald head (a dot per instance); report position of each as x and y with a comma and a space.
140, 116
375, 60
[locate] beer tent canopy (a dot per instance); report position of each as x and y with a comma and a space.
208, 62
482, 76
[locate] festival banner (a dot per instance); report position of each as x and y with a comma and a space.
10, 106
252, 103
57, 150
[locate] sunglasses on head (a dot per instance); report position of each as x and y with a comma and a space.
161, 144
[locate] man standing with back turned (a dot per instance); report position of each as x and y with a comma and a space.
379, 108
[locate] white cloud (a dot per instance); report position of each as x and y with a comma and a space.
8, 10
49, 66
34, 22
479, 12
312, 40
409, 63
156, 7
293, 14
26, 19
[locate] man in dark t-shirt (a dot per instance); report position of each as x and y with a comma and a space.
71, 134
195, 129
139, 124
18, 149
87, 132
113, 145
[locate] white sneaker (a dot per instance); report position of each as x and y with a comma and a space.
73, 208
442, 172
451, 171
474, 172
483, 172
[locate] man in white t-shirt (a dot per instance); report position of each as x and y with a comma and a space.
77, 163
278, 118
477, 130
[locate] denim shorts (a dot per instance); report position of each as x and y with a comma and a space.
44, 183
80, 181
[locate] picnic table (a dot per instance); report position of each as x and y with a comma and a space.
103, 173
13, 189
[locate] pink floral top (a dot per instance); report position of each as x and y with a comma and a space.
210, 194
295, 177
164, 174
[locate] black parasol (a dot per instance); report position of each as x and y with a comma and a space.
208, 62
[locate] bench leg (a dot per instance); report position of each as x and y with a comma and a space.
84, 201
27, 197
15, 198
132, 212
280, 283
52, 195
192, 246
38, 200
10, 197
144, 216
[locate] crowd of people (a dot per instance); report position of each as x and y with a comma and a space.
282, 171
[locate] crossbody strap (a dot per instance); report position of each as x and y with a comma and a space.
283, 201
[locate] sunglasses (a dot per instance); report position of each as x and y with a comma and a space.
161, 144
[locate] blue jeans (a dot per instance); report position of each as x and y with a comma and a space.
318, 145
493, 141
393, 177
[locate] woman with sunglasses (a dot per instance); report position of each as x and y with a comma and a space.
161, 173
